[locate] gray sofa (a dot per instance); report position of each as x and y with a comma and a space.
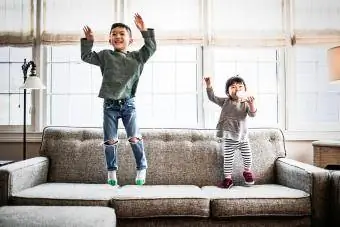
184, 167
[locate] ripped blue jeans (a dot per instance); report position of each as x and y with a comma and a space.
126, 110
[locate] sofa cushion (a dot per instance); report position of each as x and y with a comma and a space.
56, 216
134, 201
76, 155
258, 200
63, 194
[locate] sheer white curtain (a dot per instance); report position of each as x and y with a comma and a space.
174, 21
17, 22
248, 22
64, 19
316, 22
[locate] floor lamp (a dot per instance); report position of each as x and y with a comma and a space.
30, 82
334, 64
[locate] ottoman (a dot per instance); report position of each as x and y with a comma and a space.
39, 216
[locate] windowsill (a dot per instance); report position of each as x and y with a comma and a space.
311, 135
13, 137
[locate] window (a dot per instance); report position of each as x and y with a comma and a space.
166, 95
16, 39
11, 97
170, 91
72, 88
315, 102
260, 69
168, 85
278, 46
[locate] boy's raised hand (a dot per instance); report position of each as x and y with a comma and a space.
88, 33
207, 82
139, 22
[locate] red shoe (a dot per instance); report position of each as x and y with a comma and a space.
248, 177
226, 183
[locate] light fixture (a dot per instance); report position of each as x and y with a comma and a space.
31, 82
334, 64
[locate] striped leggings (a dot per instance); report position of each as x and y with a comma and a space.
229, 148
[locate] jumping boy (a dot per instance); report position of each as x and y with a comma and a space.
121, 70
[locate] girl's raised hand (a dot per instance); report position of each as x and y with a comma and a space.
250, 99
207, 81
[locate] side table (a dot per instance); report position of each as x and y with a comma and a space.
326, 153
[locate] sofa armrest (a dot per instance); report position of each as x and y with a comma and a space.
309, 178
21, 175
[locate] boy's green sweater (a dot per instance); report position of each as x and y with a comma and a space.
120, 71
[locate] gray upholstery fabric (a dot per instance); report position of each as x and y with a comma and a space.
160, 201
179, 156
76, 155
21, 175
335, 198
232, 222
54, 216
72, 194
258, 200
311, 179
174, 156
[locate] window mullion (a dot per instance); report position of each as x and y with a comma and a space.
281, 84
200, 87
38, 95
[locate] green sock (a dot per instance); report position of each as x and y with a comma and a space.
112, 178
140, 177
112, 182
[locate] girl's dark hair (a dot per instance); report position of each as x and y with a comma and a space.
121, 25
232, 80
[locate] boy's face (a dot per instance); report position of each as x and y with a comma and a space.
235, 87
120, 39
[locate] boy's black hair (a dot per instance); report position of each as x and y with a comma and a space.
232, 80
121, 25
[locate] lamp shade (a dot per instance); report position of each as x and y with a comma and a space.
334, 64
33, 82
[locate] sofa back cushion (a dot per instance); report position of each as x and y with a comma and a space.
175, 156
76, 154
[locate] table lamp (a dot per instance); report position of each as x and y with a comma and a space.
334, 64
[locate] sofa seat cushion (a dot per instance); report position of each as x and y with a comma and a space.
64, 194
258, 200
146, 201
56, 216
